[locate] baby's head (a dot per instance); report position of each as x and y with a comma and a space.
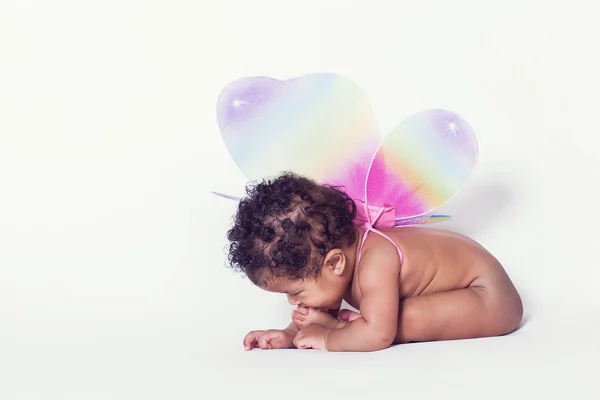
294, 236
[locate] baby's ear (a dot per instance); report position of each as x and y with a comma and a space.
335, 261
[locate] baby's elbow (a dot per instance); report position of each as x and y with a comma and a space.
387, 340
381, 339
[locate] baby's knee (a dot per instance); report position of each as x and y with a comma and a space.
503, 303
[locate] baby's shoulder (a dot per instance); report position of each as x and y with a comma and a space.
420, 245
379, 256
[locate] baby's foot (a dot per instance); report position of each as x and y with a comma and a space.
347, 315
304, 316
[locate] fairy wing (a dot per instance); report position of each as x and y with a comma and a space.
421, 164
321, 126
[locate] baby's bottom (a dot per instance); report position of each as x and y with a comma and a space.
490, 306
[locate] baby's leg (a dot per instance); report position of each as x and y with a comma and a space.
490, 306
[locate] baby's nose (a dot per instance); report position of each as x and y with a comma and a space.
293, 301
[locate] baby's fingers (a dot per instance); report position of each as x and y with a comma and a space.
269, 339
263, 342
250, 339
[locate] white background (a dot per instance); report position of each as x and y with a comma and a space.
112, 250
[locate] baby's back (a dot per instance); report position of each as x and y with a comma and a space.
434, 260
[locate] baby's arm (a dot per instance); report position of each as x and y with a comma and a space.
376, 327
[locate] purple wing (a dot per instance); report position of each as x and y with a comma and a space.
321, 126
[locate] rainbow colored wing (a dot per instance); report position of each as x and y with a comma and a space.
421, 164
321, 126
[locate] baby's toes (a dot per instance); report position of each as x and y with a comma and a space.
322, 318
298, 318
303, 310
348, 315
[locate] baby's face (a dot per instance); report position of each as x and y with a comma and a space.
325, 293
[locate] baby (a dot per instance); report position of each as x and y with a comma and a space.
410, 284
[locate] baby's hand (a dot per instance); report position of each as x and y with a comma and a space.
304, 316
312, 337
270, 339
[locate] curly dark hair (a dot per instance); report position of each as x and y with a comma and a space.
284, 227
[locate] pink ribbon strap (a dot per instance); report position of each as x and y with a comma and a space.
372, 217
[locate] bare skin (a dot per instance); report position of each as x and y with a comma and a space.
447, 287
